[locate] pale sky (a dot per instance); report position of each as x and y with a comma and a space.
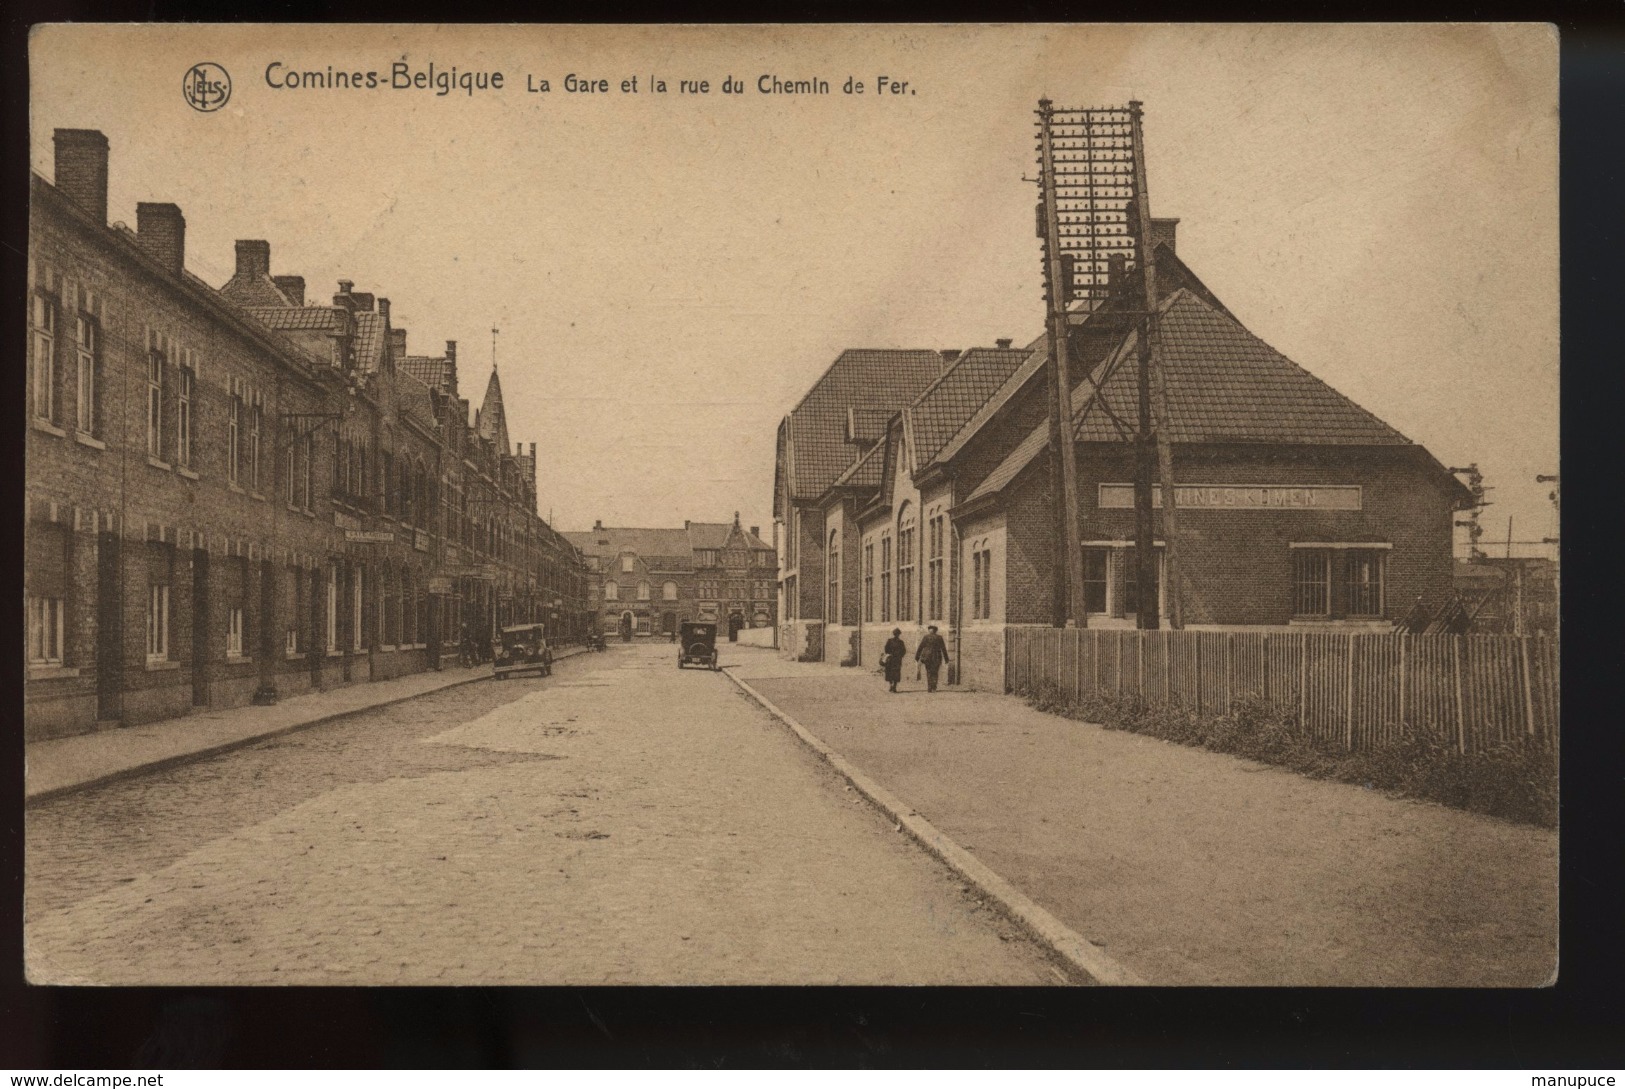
671, 272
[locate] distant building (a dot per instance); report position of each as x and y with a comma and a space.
1509, 596
648, 581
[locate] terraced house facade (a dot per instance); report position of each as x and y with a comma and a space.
233, 495
915, 489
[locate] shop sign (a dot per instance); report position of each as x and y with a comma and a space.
1241, 496
370, 536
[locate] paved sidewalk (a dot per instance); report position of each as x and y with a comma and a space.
1190, 867
65, 764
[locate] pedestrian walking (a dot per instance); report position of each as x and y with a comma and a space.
892, 657
932, 653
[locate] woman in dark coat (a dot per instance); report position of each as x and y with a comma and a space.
892, 657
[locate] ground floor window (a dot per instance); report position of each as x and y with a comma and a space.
357, 596
981, 584
1111, 580
157, 623
234, 632
331, 604
1095, 579
45, 630
295, 640
1338, 582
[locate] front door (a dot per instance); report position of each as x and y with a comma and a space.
200, 628
735, 622
109, 629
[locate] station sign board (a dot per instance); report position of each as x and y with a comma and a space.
1241, 496
370, 536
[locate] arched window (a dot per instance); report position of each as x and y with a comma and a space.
668, 592
612, 591
905, 562
643, 591
832, 603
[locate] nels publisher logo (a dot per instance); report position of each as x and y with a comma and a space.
206, 87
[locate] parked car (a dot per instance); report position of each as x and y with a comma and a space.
523, 649
697, 644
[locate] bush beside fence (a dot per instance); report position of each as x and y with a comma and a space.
1472, 693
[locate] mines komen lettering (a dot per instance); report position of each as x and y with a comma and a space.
401, 77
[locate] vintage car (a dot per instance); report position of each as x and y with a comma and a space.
522, 648
697, 644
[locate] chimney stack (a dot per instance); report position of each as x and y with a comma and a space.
756, 531
397, 343
533, 452
949, 354
1003, 343
346, 286
1163, 232
160, 229
451, 352
253, 258
81, 170
383, 309
293, 287
598, 524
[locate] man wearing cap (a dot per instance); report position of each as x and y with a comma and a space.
932, 653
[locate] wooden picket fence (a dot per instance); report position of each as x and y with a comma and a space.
1470, 691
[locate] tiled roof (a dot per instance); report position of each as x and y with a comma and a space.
255, 291
938, 414
867, 424
369, 341
865, 472
291, 319
865, 378
1036, 356
645, 542
1224, 385
708, 534
432, 371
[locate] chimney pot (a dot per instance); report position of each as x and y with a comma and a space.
160, 229
293, 287
81, 170
1004, 343
345, 286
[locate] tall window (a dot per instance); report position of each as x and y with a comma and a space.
155, 405
868, 582
832, 605
331, 601
234, 631
183, 418
885, 577
643, 591
905, 563
158, 579
612, 591
627, 564
976, 586
234, 433
934, 567
235, 582
44, 361
1094, 579
296, 611
1311, 582
89, 366
985, 582
358, 579
289, 460
668, 592
254, 419
392, 612
46, 573
1362, 577
45, 630
307, 470
387, 464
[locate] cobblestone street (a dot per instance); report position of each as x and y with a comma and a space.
620, 822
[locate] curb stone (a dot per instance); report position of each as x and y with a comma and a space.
166, 762
1077, 951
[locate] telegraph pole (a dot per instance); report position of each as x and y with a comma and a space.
1152, 442
1069, 545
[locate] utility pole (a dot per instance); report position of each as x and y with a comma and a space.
1152, 442
1069, 545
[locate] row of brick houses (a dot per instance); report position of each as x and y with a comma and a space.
914, 488
234, 494
648, 581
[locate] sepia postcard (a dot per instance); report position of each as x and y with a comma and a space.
912, 504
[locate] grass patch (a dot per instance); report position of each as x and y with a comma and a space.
1516, 780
